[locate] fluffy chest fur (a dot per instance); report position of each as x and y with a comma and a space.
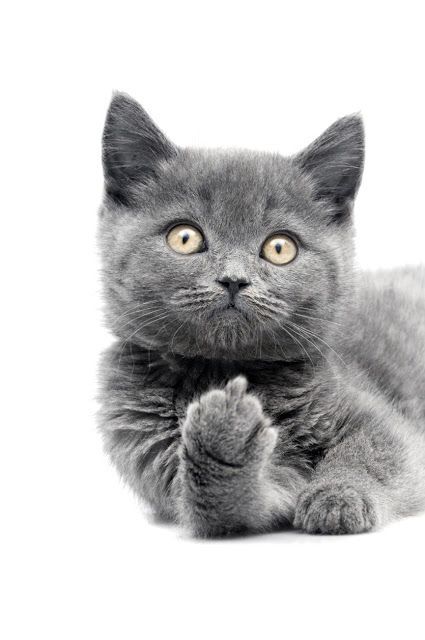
301, 401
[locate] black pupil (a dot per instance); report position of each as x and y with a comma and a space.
185, 237
278, 247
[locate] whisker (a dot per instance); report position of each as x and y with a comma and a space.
175, 334
135, 309
161, 316
310, 341
338, 324
139, 317
301, 345
307, 332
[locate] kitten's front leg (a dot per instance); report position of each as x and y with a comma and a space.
226, 471
374, 475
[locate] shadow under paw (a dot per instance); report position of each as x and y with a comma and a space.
334, 509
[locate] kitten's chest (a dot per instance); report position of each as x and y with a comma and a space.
282, 390
288, 395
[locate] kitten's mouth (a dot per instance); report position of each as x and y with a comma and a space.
231, 310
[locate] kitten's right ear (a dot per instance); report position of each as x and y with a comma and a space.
133, 146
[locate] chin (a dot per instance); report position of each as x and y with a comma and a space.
231, 337
229, 332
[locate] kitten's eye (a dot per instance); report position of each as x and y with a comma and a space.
279, 249
185, 239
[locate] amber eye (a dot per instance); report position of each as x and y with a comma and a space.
185, 239
279, 249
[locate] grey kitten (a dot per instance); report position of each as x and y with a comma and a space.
255, 381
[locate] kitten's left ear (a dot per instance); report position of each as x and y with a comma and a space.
335, 162
133, 147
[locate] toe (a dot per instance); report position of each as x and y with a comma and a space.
236, 388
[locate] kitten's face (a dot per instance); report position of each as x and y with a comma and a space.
220, 254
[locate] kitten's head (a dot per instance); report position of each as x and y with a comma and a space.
225, 254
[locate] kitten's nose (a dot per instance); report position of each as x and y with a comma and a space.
233, 285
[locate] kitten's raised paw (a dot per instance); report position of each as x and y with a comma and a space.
228, 426
334, 509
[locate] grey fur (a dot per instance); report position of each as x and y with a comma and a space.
329, 434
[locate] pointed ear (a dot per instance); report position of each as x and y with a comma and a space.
335, 162
133, 146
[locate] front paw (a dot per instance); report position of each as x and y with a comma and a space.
228, 427
334, 509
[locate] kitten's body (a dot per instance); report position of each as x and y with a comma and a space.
344, 392
385, 338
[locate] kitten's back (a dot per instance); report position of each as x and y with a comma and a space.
387, 336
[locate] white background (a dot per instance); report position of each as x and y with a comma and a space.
80, 559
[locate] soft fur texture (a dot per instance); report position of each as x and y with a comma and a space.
304, 402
